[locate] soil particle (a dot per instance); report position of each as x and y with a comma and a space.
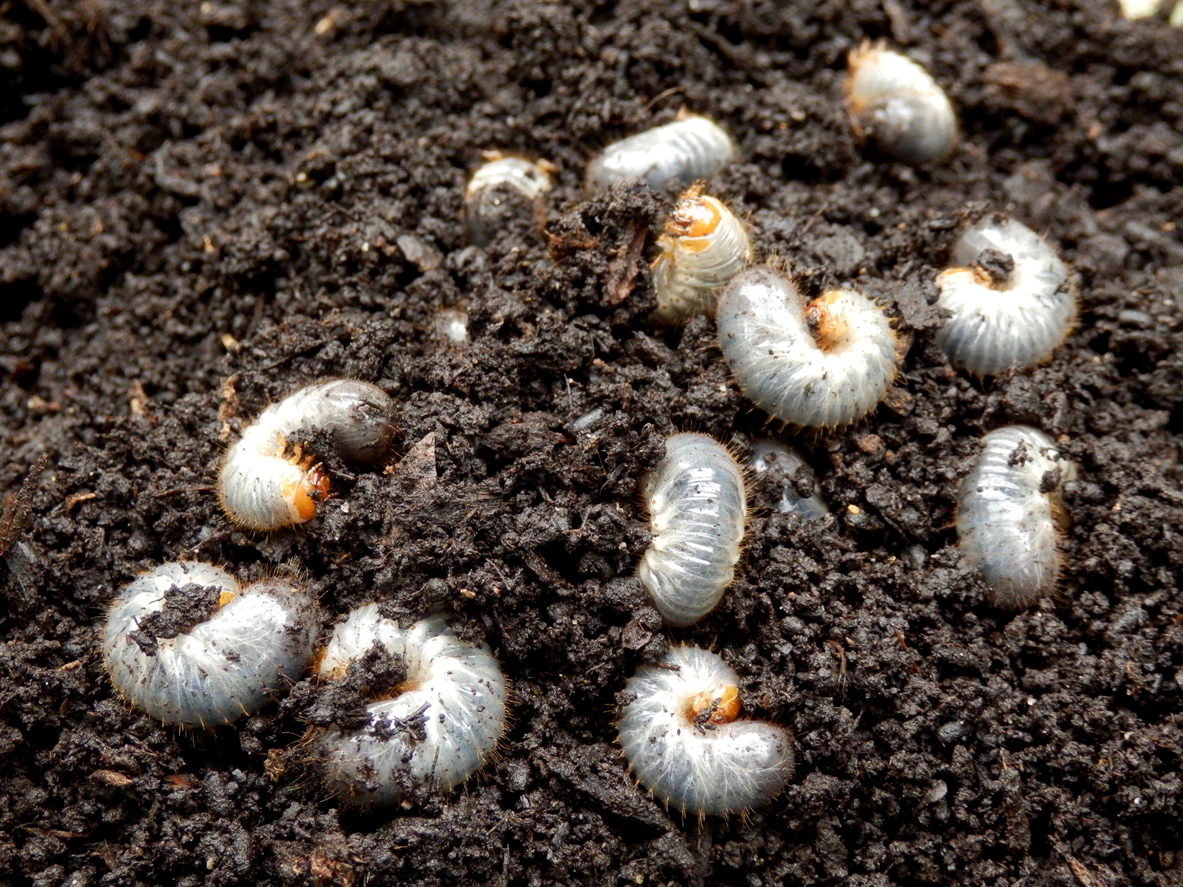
204, 207
184, 607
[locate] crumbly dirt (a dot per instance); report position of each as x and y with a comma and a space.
204, 206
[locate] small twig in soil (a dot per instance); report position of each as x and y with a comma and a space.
19, 508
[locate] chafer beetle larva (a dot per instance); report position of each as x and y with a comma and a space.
898, 106
432, 732
697, 507
679, 154
684, 744
1010, 299
704, 246
1010, 516
266, 482
493, 190
187, 645
820, 365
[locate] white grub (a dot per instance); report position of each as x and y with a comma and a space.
437, 730
1009, 297
684, 744
1136, 9
1010, 515
820, 365
493, 194
704, 246
690, 149
244, 650
266, 482
697, 508
898, 106
792, 474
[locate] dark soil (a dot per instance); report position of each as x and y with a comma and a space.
205, 205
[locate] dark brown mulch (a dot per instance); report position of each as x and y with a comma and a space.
205, 205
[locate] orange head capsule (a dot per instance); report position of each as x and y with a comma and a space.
827, 320
318, 659
713, 707
981, 276
311, 490
695, 216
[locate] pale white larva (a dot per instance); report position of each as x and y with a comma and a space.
1136, 9
677, 154
697, 507
437, 730
898, 106
704, 246
267, 481
494, 190
792, 475
820, 365
1010, 515
1009, 296
187, 645
684, 744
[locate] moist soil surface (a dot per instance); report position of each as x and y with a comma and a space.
205, 206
